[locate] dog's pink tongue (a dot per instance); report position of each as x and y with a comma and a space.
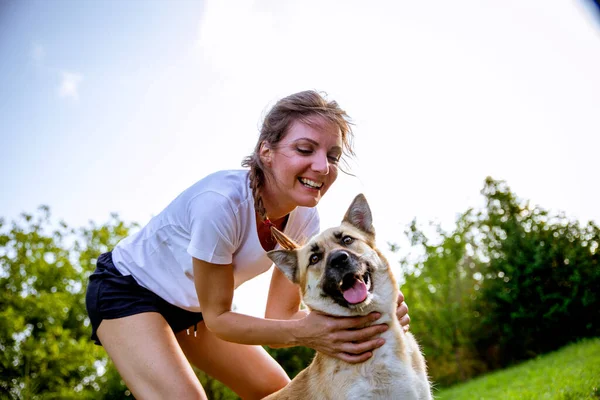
357, 293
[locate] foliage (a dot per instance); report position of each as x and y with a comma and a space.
539, 290
292, 359
571, 373
44, 329
214, 389
440, 289
510, 282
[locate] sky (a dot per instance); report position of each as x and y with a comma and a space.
117, 106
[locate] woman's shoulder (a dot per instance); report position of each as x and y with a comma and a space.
226, 186
228, 183
227, 178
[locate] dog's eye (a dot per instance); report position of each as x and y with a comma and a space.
347, 240
315, 258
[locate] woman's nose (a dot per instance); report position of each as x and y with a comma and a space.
321, 164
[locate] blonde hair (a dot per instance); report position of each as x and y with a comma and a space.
303, 106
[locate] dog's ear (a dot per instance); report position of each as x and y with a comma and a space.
359, 215
286, 261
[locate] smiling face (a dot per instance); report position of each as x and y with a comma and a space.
303, 165
340, 266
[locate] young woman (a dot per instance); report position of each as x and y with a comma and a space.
162, 299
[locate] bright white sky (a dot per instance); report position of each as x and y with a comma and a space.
112, 106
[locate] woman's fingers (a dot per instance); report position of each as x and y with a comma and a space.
402, 310
400, 298
361, 335
356, 322
405, 320
353, 358
359, 352
402, 314
362, 347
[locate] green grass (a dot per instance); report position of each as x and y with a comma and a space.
571, 373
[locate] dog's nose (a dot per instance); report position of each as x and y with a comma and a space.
339, 259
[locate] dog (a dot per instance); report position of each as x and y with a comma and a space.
340, 272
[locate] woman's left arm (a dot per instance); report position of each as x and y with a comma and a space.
284, 299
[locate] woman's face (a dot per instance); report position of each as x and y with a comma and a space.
304, 164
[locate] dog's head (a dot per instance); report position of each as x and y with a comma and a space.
339, 270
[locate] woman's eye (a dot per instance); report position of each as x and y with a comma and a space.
303, 151
314, 259
334, 160
347, 240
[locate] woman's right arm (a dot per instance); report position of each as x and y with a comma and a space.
338, 337
214, 286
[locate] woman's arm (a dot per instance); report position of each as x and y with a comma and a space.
284, 298
336, 336
214, 286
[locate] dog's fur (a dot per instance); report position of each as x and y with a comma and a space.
329, 263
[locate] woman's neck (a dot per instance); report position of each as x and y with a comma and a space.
265, 236
276, 210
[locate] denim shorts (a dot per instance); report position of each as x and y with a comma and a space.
111, 295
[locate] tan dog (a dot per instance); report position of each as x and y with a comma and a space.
340, 272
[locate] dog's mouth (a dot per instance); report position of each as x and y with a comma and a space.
355, 288
348, 280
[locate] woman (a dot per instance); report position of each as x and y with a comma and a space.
162, 299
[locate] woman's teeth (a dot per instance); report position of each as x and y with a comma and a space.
310, 183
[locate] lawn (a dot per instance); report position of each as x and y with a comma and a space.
571, 373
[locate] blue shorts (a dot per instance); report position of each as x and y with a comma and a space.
111, 295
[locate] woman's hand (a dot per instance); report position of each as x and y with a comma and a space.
344, 337
340, 337
402, 313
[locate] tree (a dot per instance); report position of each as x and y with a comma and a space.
44, 330
440, 286
292, 359
46, 351
540, 286
511, 281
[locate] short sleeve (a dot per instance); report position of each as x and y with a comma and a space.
213, 228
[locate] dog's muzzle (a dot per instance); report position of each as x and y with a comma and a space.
347, 281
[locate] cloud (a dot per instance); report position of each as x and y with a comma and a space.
69, 86
70, 81
38, 53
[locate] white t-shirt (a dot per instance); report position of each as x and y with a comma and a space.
214, 220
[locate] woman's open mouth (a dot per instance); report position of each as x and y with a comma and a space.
309, 183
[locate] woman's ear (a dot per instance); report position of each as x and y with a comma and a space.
265, 153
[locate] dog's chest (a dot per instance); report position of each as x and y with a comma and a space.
384, 376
